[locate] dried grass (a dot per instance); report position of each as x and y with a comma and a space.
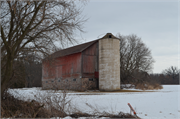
99, 114
44, 106
148, 86
49, 105
15, 108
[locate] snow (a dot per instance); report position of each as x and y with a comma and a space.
68, 117
156, 104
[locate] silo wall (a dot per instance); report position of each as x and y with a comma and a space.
109, 64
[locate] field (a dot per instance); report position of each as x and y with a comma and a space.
154, 104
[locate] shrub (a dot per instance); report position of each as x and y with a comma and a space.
148, 86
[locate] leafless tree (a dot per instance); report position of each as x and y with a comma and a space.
36, 26
172, 72
135, 56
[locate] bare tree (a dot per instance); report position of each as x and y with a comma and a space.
36, 26
173, 73
135, 56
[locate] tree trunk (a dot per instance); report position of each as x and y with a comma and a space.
7, 74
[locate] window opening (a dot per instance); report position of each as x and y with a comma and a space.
90, 79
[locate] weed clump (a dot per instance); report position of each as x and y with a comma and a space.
148, 86
15, 108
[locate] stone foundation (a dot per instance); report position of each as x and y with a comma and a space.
80, 84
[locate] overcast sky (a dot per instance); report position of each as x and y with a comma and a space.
155, 22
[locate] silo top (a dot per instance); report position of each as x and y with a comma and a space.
109, 35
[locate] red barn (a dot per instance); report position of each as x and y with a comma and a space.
77, 68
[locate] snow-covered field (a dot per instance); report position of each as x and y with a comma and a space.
160, 104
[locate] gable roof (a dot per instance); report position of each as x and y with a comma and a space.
79, 48
72, 50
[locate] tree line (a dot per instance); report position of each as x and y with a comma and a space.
168, 76
28, 72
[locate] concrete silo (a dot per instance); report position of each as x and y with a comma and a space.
109, 63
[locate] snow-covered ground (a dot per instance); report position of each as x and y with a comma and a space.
160, 104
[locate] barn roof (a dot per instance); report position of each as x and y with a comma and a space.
79, 48
72, 50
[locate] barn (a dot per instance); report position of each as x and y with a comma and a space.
88, 66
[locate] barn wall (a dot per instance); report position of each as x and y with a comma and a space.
89, 84
109, 64
90, 61
48, 73
69, 66
48, 70
62, 73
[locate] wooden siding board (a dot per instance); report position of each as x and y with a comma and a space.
97, 57
67, 66
89, 64
91, 50
82, 64
89, 61
48, 70
71, 65
88, 75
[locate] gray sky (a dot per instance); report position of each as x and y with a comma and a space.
155, 22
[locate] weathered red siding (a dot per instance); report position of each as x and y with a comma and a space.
88, 64
90, 61
69, 66
64, 67
48, 71
59, 73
